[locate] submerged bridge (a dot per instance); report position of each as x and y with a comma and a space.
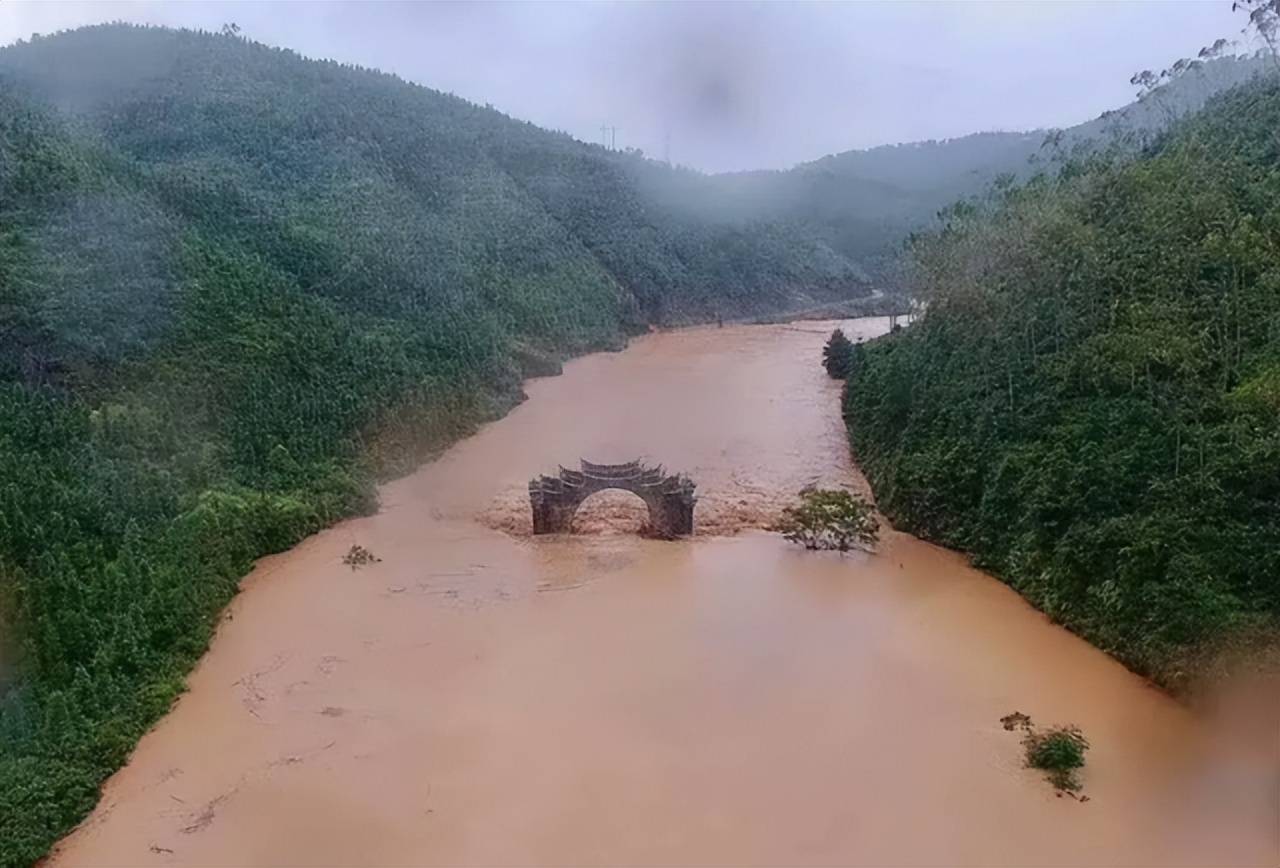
555, 499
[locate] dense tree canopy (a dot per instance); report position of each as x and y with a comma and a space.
236, 286
1090, 404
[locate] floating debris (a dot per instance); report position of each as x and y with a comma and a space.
1016, 720
359, 556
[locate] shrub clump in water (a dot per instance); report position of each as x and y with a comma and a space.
1058, 751
837, 355
831, 519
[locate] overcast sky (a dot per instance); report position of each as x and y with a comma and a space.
729, 85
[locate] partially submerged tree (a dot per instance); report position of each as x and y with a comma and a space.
831, 519
1059, 752
837, 355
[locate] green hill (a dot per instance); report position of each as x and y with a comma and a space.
1089, 404
238, 286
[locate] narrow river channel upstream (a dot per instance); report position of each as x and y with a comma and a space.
480, 696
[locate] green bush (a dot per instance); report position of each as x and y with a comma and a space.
837, 355
830, 519
1060, 752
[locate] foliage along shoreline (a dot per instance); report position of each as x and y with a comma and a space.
1090, 405
213, 546
237, 289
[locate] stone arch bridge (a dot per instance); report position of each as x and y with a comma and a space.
670, 498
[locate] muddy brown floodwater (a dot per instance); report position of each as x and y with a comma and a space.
483, 697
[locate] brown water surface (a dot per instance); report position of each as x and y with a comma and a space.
484, 697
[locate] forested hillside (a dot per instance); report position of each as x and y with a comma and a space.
1090, 404
236, 287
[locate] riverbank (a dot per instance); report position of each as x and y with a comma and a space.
482, 697
1089, 408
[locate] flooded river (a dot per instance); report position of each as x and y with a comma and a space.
483, 697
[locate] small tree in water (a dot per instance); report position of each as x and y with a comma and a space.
830, 519
1058, 751
837, 355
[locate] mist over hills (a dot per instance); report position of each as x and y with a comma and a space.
864, 203
680, 245
369, 191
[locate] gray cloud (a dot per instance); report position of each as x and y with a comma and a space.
729, 85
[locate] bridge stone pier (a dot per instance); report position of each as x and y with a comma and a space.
670, 498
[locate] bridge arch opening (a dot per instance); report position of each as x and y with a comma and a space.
611, 511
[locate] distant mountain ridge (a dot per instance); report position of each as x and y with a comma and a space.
865, 202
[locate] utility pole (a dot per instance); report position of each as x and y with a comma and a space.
613, 138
